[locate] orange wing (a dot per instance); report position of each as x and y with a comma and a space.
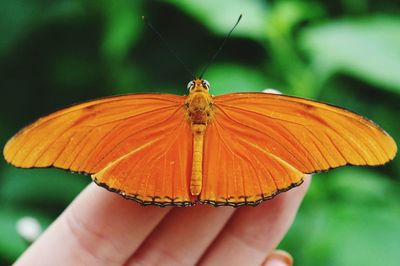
138, 145
261, 144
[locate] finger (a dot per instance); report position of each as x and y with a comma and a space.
98, 228
253, 232
278, 258
183, 236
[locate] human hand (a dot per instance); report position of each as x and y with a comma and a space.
102, 228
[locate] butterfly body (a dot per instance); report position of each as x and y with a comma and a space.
199, 112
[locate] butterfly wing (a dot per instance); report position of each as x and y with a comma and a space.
138, 145
261, 144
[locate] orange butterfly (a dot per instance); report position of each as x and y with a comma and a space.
234, 149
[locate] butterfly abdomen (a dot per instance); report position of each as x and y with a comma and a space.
196, 180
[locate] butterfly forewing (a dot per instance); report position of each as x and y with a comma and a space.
138, 145
309, 135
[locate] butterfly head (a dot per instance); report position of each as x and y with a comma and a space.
198, 85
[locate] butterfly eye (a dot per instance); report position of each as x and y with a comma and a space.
190, 85
206, 84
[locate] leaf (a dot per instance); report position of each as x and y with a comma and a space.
285, 15
122, 27
365, 48
220, 16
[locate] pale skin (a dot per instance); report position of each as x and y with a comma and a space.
102, 228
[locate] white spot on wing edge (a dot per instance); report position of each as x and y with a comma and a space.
273, 91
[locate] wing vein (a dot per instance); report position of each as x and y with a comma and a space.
272, 138
130, 135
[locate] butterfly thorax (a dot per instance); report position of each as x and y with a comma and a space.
199, 103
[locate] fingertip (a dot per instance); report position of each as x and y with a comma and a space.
278, 258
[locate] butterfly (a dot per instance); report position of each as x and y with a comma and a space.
234, 149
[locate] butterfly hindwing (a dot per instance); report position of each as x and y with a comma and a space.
156, 172
240, 172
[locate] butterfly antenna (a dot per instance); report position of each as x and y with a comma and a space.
148, 23
220, 47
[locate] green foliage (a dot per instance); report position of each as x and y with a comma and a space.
241, 79
367, 48
56, 53
208, 12
349, 217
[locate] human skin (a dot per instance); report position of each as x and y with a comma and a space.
102, 228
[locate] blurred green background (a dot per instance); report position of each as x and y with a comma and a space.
55, 53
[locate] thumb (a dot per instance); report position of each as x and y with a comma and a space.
278, 258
